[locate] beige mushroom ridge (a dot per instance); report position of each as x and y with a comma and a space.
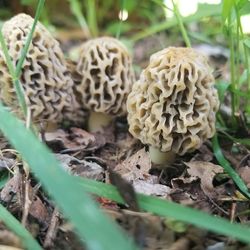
172, 106
107, 77
46, 81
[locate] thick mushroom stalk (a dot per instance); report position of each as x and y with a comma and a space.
106, 73
47, 83
172, 106
97, 121
161, 158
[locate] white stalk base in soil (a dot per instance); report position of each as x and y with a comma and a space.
97, 121
165, 159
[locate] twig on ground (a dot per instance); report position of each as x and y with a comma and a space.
52, 230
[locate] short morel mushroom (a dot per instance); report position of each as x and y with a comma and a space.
106, 73
172, 106
46, 81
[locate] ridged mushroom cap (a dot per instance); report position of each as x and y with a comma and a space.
46, 81
107, 76
172, 106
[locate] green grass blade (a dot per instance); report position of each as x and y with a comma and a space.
181, 26
29, 39
13, 224
226, 9
69, 196
75, 7
7, 56
91, 17
15, 72
169, 209
243, 141
227, 166
205, 10
17, 84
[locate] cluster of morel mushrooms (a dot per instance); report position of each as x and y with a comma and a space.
171, 107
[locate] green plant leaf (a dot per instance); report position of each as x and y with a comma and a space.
247, 42
222, 87
227, 9
227, 167
70, 197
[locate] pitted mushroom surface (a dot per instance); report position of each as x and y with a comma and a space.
172, 106
107, 76
46, 81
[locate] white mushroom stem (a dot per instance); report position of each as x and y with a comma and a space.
47, 126
51, 126
97, 121
163, 158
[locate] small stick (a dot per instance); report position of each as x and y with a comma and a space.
233, 211
27, 201
52, 230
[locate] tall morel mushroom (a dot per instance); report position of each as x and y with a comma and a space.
107, 76
172, 106
45, 78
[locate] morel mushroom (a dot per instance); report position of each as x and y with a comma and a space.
45, 78
107, 76
172, 106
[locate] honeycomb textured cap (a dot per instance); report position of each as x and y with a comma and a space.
172, 106
107, 76
46, 81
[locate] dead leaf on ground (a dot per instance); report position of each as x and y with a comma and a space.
11, 190
76, 139
39, 211
187, 192
136, 170
82, 168
206, 172
135, 167
144, 187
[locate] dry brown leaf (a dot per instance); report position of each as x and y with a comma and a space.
136, 170
76, 139
135, 167
206, 172
144, 187
81, 167
12, 187
187, 191
38, 210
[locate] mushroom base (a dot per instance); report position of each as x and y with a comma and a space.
48, 126
164, 159
97, 121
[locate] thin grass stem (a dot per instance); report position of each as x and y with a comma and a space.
91, 17
180, 23
75, 7
29, 38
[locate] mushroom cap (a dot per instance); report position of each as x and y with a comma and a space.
46, 81
172, 106
107, 76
